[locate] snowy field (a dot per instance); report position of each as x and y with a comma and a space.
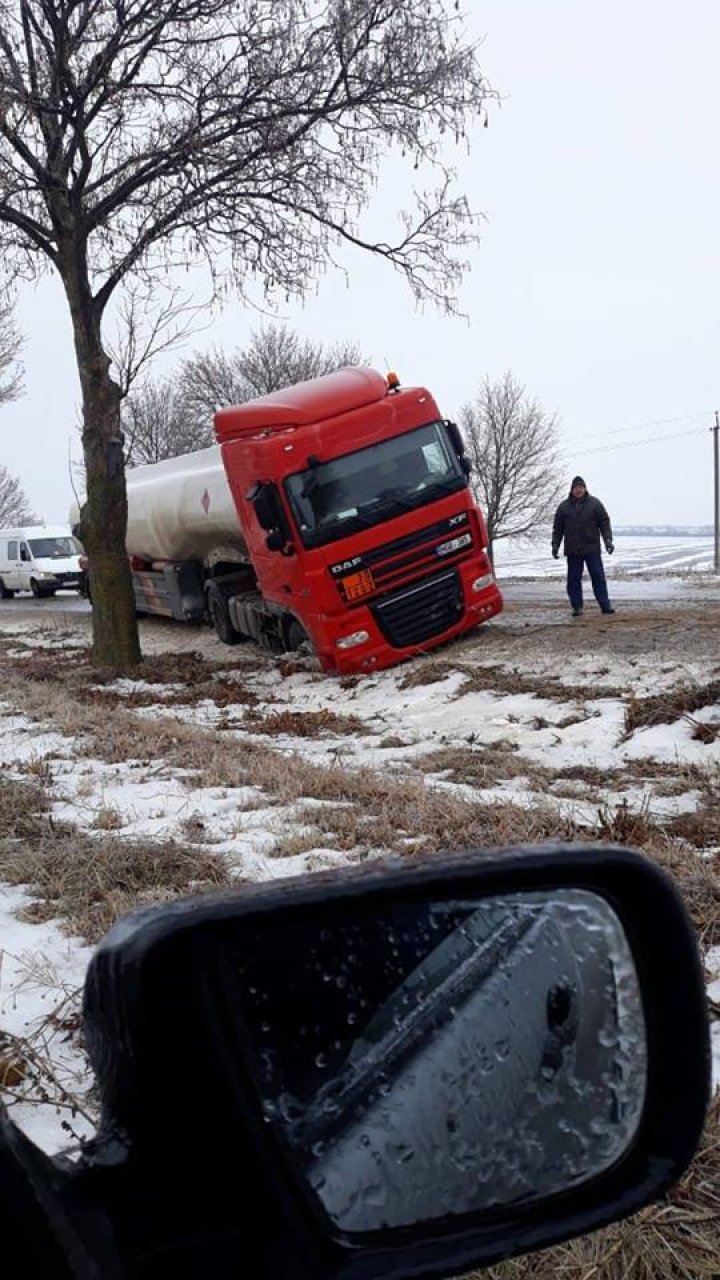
522, 558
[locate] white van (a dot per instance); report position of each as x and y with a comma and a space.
41, 559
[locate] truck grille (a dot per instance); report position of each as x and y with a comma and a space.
385, 567
416, 613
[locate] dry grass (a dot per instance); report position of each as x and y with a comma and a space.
108, 818
192, 679
701, 828
702, 732
677, 1239
304, 724
498, 679
374, 814
623, 825
28, 1072
480, 766
672, 704
24, 811
484, 766
89, 881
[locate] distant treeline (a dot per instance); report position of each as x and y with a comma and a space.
666, 530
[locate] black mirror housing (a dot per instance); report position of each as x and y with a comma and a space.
162, 998
266, 503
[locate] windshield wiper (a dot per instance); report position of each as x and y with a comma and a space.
452, 485
391, 497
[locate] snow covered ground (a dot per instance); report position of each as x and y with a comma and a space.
521, 557
530, 711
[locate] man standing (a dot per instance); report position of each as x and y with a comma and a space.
581, 520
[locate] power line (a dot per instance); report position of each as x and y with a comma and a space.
640, 426
634, 444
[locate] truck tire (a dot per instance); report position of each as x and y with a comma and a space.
5, 592
296, 638
36, 589
220, 616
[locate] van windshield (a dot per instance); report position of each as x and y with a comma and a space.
332, 499
54, 548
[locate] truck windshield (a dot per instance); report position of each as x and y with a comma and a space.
54, 548
334, 499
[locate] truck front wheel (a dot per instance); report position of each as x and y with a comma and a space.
220, 617
297, 638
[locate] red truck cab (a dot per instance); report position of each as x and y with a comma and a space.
354, 500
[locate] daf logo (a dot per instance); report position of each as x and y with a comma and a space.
345, 565
459, 519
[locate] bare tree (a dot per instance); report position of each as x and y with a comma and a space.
174, 416
275, 357
143, 334
14, 506
154, 424
245, 134
10, 344
512, 443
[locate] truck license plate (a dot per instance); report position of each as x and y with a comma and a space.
358, 585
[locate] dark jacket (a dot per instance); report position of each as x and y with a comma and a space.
581, 523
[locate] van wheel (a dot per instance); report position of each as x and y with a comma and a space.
5, 592
36, 589
220, 617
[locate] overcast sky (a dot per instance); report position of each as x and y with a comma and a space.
596, 281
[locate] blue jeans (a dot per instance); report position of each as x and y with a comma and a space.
575, 565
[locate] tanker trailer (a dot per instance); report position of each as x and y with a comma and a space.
183, 532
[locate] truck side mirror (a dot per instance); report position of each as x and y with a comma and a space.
458, 445
270, 515
265, 502
456, 439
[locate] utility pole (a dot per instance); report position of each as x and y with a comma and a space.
716, 458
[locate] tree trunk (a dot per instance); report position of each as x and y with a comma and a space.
103, 519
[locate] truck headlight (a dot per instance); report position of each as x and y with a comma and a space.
355, 638
481, 583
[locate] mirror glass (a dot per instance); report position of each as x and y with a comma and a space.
266, 507
427, 1058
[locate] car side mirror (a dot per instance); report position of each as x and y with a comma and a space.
424, 1068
